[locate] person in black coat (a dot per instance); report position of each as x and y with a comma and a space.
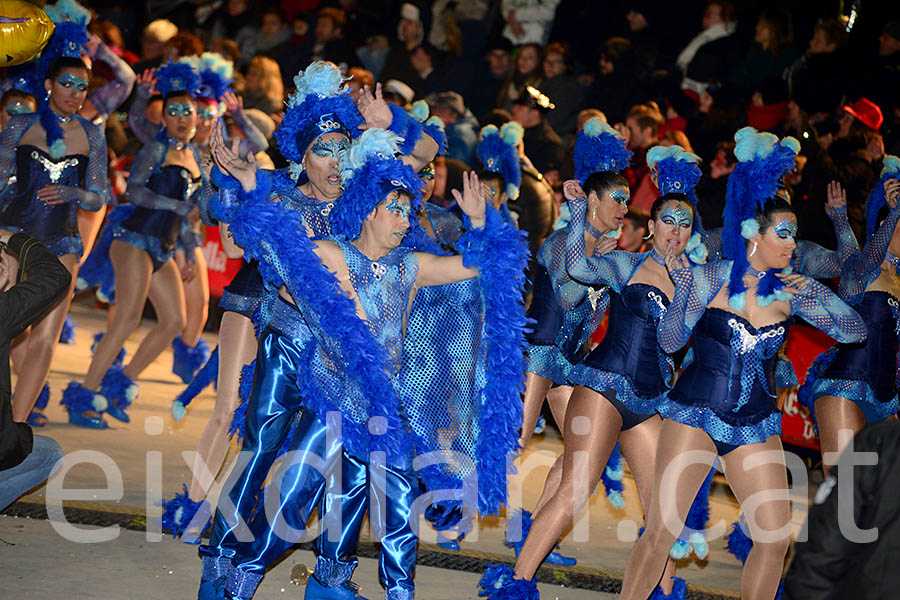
26, 460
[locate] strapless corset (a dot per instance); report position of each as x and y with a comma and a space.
174, 182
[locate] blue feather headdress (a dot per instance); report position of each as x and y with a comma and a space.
216, 75
370, 170
433, 126
677, 172
876, 200
762, 162
181, 76
599, 147
321, 105
498, 151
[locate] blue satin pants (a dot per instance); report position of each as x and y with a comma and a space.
388, 493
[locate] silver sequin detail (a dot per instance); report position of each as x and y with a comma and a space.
378, 270
748, 340
192, 186
55, 169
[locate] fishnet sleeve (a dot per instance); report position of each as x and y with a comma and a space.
847, 244
256, 142
611, 269
108, 98
95, 192
137, 192
813, 260
713, 241
9, 139
143, 130
694, 288
862, 268
552, 256
824, 310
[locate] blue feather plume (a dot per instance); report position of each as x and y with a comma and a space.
216, 75
876, 199
599, 147
202, 379
498, 151
177, 77
737, 541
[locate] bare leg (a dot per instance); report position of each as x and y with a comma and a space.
196, 297
89, 224
765, 563
133, 270
237, 347
40, 345
558, 399
167, 296
591, 429
536, 388
668, 507
832, 415
638, 446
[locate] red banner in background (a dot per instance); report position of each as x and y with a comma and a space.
221, 268
804, 345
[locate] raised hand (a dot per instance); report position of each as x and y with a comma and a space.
234, 104
572, 190
675, 262
472, 200
90, 47
373, 108
605, 245
796, 284
230, 161
147, 80
837, 196
891, 192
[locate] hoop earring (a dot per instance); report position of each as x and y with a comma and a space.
648, 236
752, 252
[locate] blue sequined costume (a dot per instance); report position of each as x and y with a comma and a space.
83, 179
866, 373
728, 390
163, 194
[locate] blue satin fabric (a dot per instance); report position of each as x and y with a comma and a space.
711, 393
274, 400
391, 490
55, 225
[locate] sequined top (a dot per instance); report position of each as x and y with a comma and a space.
384, 287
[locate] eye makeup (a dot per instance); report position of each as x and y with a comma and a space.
180, 109
69, 80
427, 173
207, 113
786, 229
620, 196
398, 208
677, 215
331, 148
17, 108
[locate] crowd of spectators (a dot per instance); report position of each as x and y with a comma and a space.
688, 73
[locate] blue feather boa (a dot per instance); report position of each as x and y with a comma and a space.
202, 379
286, 257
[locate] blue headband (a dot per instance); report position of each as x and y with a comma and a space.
327, 123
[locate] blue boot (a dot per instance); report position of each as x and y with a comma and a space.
345, 591
679, 591
120, 390
37, 418
498, 584
178, 515
187, 361
554, 558
78, 400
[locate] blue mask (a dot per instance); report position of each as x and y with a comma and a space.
397, 208
786, 229
180, 109
69, 80
677, 215
620, 196
18, 108
333, 148
207, 112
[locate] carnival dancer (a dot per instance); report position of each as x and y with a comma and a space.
853, 386
620, 384
59, 163
164, 188
739, 311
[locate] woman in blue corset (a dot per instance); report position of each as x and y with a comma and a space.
855, 385
57, 162
164, 188
739, 312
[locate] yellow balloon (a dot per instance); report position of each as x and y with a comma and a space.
24, 31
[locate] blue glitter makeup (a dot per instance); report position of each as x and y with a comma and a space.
207, 112
18, 108
677, 215
180, 109
69, 80
786, 229
332, 148
620, 196
397, 208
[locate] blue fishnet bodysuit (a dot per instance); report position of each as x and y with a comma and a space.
862, 372
566, 313
728, 390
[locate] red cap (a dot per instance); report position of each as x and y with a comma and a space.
866, 111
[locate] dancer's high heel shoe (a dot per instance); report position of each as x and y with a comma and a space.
80, 401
